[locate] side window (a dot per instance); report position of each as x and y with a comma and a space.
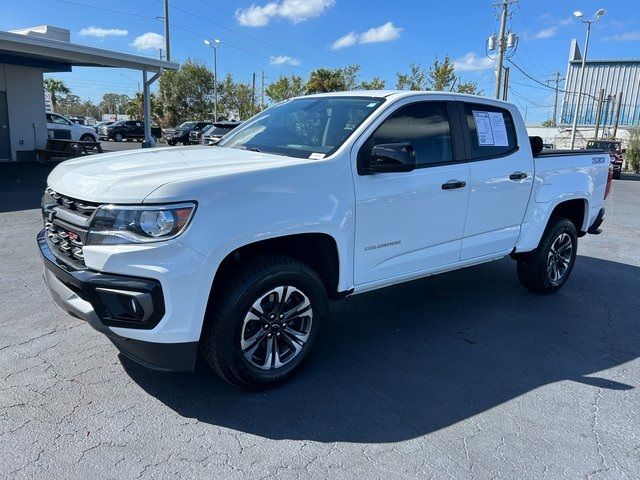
491, 131
423, 124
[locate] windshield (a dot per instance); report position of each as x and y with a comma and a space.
608, 146
118, 123
303, 126
186, 125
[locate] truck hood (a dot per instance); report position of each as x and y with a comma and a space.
129, 177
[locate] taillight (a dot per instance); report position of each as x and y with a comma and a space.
607, 190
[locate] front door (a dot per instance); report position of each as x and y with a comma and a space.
411, 222
5, 147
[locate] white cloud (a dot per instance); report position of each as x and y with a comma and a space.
384, 33
148, 41
632, 36
472, 63
346, 41
545, 33
295, 11
567, 21
283, 60
103, 32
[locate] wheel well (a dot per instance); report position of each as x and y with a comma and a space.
318, 250
573, 210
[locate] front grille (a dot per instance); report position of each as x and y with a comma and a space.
66, 224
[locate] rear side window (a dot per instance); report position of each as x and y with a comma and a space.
425, 125
491, 131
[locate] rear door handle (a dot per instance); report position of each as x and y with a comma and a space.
453, 184
518, 176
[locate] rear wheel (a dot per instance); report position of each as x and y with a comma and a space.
546, 269
265, 322
171, 142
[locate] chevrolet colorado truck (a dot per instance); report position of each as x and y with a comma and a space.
231, 254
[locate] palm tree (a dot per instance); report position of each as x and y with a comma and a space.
326, 80
54, 87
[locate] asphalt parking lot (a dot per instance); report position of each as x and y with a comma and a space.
463, 375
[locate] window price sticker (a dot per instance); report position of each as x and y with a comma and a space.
490, 129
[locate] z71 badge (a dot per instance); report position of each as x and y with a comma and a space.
597, 160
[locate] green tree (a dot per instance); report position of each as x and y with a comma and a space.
350, 76
441, 76
375, 83
69, 104
468, 87
187, 94
324, 80
416, 79
114, 103
632, 155
135, 108
549, 123
235, 100
285, 88
55, 87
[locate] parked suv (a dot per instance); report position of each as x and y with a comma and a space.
181, 134
615, 150
127, 130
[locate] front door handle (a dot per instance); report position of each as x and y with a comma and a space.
453, 184
518, 176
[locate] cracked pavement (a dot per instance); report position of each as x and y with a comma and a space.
463, 375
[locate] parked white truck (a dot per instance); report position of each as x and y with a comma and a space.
233, 252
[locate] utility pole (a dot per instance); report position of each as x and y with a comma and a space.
599, 113
262, 91
618, 108
505, 89
502, 41
557, 81
167, 48
253, 95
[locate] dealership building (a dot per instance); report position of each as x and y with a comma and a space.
620, 81
24, 56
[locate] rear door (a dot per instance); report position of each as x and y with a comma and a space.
411, 222
501, 174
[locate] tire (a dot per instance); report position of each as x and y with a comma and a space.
87, 137
541, 273
616, 174
171, 143
118, 137
228, 342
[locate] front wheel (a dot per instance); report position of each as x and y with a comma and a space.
546, 269
87, 137
265, 321
118, 137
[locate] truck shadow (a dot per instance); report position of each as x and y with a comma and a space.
409, 360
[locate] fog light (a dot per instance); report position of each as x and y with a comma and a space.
125, 305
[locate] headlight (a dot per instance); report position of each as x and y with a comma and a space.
116, 225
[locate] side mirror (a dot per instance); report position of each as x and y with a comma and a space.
390, 157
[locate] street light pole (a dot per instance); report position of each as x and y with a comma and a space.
578, 100
214, 45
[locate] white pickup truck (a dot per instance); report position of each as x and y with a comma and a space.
232, 252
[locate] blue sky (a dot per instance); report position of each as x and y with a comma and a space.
295, 36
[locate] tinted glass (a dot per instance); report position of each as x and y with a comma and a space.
302, 127
425, 125
608, 146
218, 131
491, 130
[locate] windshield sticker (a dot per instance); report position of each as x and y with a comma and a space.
491, 129
317, 156
372, 104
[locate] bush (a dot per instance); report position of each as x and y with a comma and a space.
632, 156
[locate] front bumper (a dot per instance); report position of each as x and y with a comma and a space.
88, 295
